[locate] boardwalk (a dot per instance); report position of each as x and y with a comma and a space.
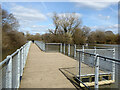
42, 70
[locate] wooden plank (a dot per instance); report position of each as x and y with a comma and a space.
105, 82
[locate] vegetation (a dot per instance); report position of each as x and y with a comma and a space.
68, 29
11, 37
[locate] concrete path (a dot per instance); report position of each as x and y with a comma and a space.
42, 70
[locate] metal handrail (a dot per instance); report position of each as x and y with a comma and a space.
112, 59
21, 59
54, 43
13, 54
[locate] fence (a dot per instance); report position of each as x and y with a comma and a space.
41, 45
96, 58
57, 47
53, 47
11, 69
100, 59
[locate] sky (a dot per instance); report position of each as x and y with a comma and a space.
36, 17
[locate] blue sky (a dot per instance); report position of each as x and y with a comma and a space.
35, 17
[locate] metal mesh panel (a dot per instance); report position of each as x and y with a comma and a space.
52, 48
72, 50
117, 75
66, 49
3, 75
106, 68
14, 71
41, 45
21, 63
89, 60
0, 77
105, 52
104, 63
10, 68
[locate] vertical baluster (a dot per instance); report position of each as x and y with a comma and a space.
18, 68
68, 49
96, 72
83, 53
74, 50
113, 65
64, 48
61, 47
9, 73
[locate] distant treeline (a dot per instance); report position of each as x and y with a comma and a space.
68, 29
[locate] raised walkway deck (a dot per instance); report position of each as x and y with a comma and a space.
42, 70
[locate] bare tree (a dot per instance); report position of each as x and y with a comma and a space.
9, 22
11, 38
67, 22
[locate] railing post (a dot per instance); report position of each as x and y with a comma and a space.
9, 73
27, 49
113, 64
83, 53
94, 53
79, 65
44, 47
74, 50
68, 49
96, 72
18, 69
22, 61
25, 52
94, 49
64, 48
23, 56
61, 47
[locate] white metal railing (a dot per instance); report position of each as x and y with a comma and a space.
41, 45
11, 69
98, 57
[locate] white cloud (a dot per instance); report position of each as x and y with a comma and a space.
114, 28
27, 17
50, 14
70, 14
94, 4
59, 0
104, 17
65, 14
40, 28
27, 14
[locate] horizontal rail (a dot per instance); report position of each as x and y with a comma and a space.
94, 49
13, 67
94, 74
108, 58
5, 60
53, 43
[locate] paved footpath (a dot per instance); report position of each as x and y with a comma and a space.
42, 70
